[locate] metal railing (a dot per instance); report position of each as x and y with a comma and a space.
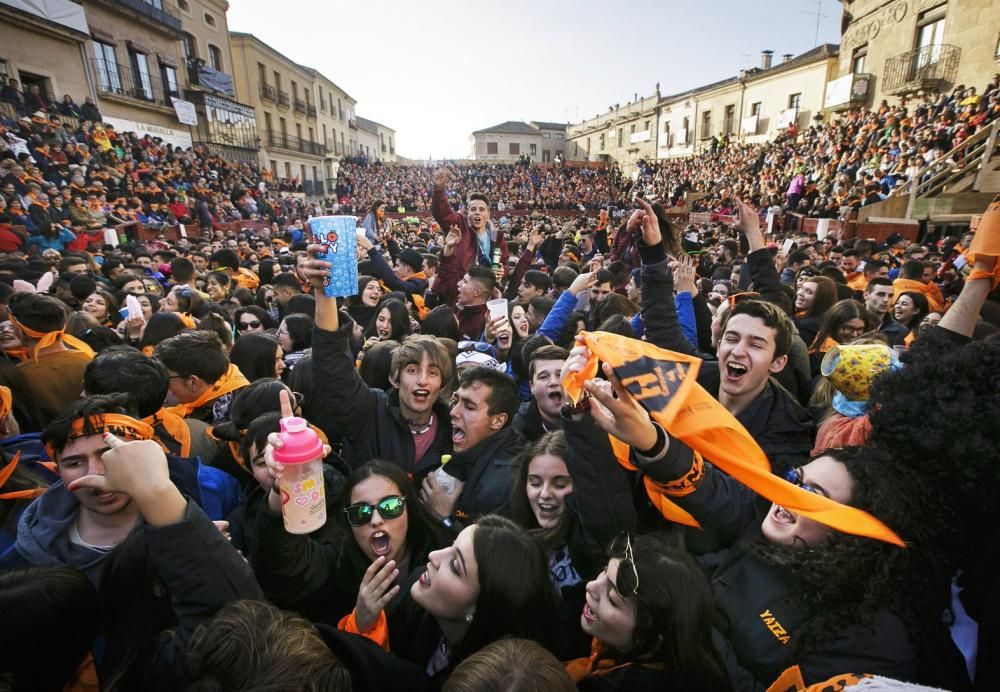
283, 140
970, 156
300, 106
311, 111
122, 80
268, 93
283, 99
923, 68
156, 13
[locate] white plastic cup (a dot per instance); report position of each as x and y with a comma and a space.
497, 308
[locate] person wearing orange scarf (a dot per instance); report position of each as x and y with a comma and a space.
762, 561
911, 279
56, 361
202, 380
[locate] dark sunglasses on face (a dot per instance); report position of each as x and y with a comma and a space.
253, 324
360, 513
794, 476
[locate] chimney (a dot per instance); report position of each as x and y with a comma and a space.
765, 59
785, 57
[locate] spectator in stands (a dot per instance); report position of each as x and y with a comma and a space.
202, 380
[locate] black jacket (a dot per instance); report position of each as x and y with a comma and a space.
369, 420
775, 420
488, 473
203, 572
759, 599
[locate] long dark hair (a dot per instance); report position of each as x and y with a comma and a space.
399, 320
135, 609
516, 596
826, 295
160, 327
300, 329
849, 579
423, 534
553, 443
258, 312
841, 312
921, 308
674, 616
253, 354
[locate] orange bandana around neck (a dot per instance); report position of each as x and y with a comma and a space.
48, 339
664, 383
232, 380
176, 431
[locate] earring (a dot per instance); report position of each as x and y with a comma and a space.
468, 619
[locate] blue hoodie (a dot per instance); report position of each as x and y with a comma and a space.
44, 527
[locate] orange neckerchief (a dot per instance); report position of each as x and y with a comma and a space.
187, 320
827, 344
175, 429
6, 472
664, 383
117, 424
48, 339
6, 403
232, 380
933, 293
579, 669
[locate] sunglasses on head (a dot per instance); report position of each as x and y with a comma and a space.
627, 581
360, 513
253, 324
480, 346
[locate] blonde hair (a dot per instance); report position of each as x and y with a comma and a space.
510, 665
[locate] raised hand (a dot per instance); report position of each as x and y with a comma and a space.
684, 276
441, 177
452, 240
315, 270
376, 591
617, 412
582, 282
650, 224
275, 468
536, 238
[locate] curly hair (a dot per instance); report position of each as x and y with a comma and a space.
851, 578
938, 416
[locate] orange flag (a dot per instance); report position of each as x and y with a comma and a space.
664, 383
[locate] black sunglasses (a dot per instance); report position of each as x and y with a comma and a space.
360, 513
254, 324
627, 581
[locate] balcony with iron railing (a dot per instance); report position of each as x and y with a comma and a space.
310, 111
151, 11
268, 92
114, 79
284, 100
928, 67
300, 106
283, 140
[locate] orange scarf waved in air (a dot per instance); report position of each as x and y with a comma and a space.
664, 383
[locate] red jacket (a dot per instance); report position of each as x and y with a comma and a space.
466, 252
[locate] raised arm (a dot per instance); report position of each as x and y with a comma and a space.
659, 316
763, 273
344, 404
524, 261
440, 208
200, 568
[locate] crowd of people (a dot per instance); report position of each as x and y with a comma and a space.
511, 186
590, 452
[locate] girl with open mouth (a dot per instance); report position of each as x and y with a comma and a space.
358, 573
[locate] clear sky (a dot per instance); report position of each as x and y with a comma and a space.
437, 70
